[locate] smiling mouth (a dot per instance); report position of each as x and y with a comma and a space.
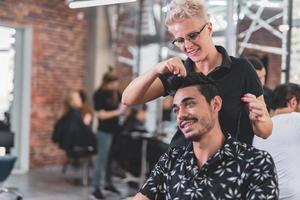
192, 52
186, 123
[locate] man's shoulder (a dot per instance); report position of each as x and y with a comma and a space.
286, 119
295, 116
252, 154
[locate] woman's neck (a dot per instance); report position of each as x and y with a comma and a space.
213, 60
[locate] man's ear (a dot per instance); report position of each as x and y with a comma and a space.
216, 103
293, 103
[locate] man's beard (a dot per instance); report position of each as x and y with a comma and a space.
207, 123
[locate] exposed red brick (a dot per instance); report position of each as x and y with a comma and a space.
59, 59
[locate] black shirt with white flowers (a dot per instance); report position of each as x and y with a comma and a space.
236, 171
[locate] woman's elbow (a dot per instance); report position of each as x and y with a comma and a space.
267, 131
266, 135
126, 100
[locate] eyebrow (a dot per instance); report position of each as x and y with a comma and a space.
184, 100
188, 34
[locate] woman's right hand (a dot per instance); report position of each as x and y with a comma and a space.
173, 65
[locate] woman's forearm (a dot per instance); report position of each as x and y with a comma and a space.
263, 129
143, 89
263, 125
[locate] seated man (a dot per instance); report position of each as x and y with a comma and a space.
213, 165
284, 143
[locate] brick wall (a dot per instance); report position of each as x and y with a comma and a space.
58, 64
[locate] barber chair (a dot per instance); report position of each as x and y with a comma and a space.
80, 157
7, 162
144, 137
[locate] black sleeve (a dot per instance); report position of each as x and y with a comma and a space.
166, 80
252, 82
170, 81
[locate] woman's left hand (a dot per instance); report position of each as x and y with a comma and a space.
257, 108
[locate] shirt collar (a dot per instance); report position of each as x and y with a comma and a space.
228, 149
226, 61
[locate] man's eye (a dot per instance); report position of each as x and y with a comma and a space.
175, 110
193, 36
189, 104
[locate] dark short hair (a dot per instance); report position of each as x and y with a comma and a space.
205, 85
257, 64
283, 94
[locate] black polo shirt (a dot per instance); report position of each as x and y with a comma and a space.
102, 101
234, 78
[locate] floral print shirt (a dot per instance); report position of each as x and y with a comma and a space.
235, 171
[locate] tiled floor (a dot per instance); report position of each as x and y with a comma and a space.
51, 184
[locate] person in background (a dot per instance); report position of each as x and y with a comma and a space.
213, 165
261, 73
71, 132
108, 110
284, 143
244, 112
130, 143
135, 121
167, 109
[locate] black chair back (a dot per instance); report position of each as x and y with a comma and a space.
6, 165
6, 140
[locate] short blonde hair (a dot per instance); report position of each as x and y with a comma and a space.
179, 10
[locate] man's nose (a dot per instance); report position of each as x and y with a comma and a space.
181, 114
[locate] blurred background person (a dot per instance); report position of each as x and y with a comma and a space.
108, 110
71, 132
130, 145
130, 142
284, 143
168, 120
262, 74
135, 119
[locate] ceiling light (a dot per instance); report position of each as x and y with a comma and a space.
90, 3
283, 27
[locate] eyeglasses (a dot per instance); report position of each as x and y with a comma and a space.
192, 37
